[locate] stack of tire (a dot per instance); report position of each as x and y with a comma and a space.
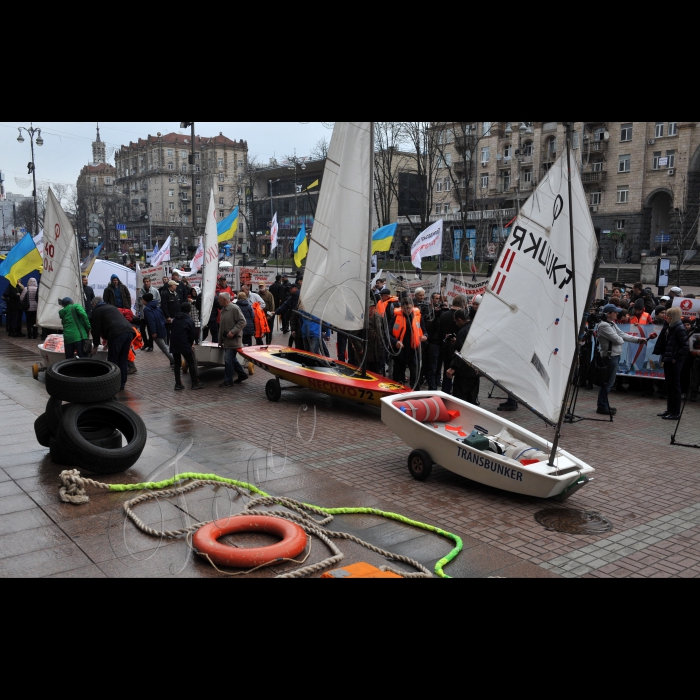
87, 431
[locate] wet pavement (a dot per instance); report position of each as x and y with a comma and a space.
332, 453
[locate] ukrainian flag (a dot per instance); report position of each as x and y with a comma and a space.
226, 228
21, 260
382, 238
301, 246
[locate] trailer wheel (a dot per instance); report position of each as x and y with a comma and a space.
273, 391
35, 371
420, 464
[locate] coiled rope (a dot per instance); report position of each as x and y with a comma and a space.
73, 491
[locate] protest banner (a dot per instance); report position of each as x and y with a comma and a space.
456, 286
690, 308
253, 276
639, 360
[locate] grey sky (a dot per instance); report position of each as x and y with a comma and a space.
67, 145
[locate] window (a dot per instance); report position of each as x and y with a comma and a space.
655, 160
448, 159
506, 181
672, 128
185, 219
197, 182
574, 143
438, 185
196, 156
171, 179
221, 213
183, 154
484, 182
619, 224
595, 198
447, 185
198, 207
93, 179
108, 181
623, 194
171, 193
221, 162
198, 195
170, 152
485, 128
507, 150
438, 208
527, 175
240, 163
671, 155
199, 219
221, 177
439, 163
599, 134
171, 166
221, 188
623, 165
597, 166
552, 146
449, 136
171, 206
528, 148
485, 154
196, 168
659, 130
221, 200
626, 132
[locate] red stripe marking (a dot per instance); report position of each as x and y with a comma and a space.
505, 258
498, 276
512, 257
500, 286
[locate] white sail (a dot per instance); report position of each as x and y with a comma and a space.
524, 334
211, 261
60, 276
335, 283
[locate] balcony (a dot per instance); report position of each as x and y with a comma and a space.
465, 142
185, 185
549, 157
598, 176
487, 214
503, 187
525, 160
598, 146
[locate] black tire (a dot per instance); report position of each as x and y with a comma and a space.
95, 432
95, 458
59, 454
42, 430
54, 414
420, 464
83, 381
273, 390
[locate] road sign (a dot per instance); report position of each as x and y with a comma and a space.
121, 227
662, 239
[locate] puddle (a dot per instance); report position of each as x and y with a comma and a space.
573, 522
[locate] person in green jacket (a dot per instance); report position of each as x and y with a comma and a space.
76, 327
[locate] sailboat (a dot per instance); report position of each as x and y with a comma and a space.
337, 276
524, 339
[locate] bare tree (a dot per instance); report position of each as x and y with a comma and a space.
387, 163
320, 150
685, 240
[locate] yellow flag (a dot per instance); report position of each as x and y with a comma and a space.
313, 184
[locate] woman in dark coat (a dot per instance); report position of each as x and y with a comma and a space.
674, 352
249, 315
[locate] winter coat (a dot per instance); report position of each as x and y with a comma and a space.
155, 319
269, 301
139, 298
290, 304
249, 316
107, 322
109, 296
88, 296
33, 291
169, 304
183, 333
276, 292
676, 344
12, 294
232, 319
76, 324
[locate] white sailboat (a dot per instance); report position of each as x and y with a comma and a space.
337, 275
524, 339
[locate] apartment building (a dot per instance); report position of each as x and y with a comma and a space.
164, 195
642, 180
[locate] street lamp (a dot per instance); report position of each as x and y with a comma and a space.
30, 166
302, 165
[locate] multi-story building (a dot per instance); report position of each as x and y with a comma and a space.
11, 233
164, 195
642, 181
98, 199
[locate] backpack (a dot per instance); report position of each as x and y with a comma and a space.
599, 367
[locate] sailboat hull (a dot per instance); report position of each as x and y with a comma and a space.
443, 443
320, 373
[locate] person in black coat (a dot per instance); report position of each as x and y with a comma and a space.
88, 296
276, 290
675, 349
14, 311
107, 322
448, 336
182, 339
170, 306
465, 378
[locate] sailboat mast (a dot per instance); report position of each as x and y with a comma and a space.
369, 243
574, 363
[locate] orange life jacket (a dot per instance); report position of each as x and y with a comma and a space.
381, 305
136, 344
261, 325
399, 329
642, 320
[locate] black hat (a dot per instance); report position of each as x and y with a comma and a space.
639, 304
385, 290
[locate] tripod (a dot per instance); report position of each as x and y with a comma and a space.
491, 396
673, 437
570, 415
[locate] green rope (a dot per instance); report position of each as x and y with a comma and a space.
149, 485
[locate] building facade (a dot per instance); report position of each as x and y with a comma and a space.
164, 195
11, 233
642, 181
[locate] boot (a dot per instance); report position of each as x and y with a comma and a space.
35, 332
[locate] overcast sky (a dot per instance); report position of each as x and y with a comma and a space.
68, 145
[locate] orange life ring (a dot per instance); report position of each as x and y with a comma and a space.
205, 540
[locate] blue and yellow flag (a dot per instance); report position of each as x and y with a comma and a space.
226, 228
21, 260
301, 246
382, 238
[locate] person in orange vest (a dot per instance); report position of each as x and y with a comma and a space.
639, 315
385, 311
407, 334
386, 301
262, 328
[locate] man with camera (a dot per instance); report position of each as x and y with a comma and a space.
611, 340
